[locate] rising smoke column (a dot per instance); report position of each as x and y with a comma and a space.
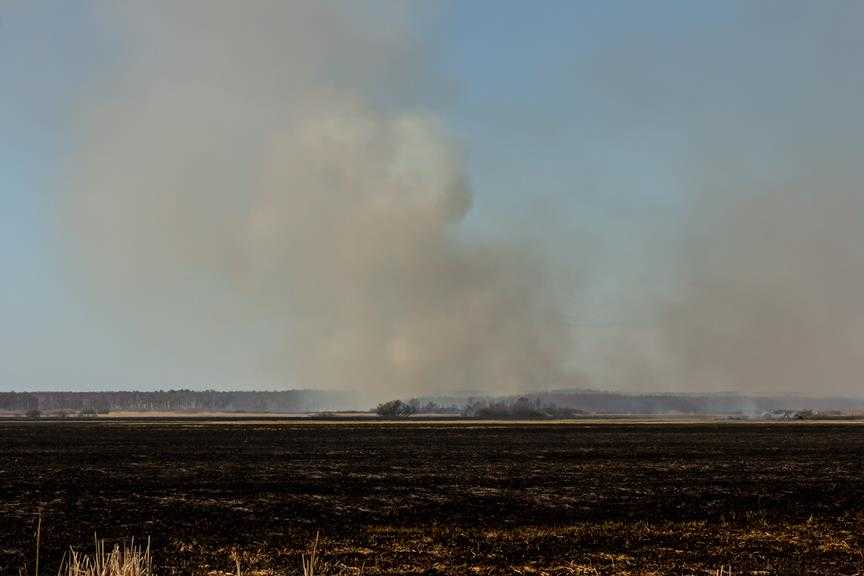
356, 232
248, 190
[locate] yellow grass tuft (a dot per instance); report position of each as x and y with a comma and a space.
310, 562
128, 560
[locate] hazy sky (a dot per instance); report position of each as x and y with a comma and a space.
687, 166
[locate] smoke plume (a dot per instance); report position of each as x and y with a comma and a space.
259, 198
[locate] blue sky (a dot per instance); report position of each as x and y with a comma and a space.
46, 57
589, 127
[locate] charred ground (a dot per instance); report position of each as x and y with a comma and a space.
611, 498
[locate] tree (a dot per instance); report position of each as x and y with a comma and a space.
395, 409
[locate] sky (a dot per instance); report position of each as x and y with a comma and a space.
618, 139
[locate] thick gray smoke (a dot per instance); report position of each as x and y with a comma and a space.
253, 197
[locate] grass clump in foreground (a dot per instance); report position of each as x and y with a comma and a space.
132, 560
128, 560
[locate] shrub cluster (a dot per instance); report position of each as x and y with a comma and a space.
520, 408
395, 409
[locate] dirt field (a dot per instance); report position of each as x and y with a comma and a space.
586, 498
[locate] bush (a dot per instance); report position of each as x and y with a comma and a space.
130, 560
34, 413
395, 409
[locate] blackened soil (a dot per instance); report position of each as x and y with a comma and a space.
440, 498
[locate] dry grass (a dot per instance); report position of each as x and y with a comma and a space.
132, 560
128, 560
311, 562
135, 560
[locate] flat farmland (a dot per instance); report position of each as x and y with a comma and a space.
439, 498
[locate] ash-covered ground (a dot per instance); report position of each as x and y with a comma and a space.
439, 498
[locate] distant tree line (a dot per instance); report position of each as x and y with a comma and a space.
177, 401
521, 407
570, 403
556, 403
688, 403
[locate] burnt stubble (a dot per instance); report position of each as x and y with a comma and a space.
441, 498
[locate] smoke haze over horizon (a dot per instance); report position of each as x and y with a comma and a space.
404, 199
330, 223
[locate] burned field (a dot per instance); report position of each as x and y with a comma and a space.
438, 498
